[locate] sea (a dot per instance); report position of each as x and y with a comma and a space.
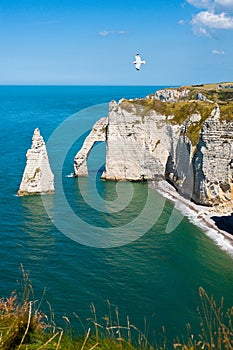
99, 250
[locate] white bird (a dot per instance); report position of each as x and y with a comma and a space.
138, 61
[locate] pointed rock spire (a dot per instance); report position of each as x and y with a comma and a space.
38, 176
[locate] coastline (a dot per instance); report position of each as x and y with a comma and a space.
200, 216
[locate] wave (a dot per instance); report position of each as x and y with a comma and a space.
70, 175
199, 216
206, 225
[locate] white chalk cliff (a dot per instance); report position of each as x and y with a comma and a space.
213, 162
171, 95
97, 134
145, 144
37, 176
137, 145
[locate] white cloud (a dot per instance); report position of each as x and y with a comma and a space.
213, 20
104, 33
201, 31
215, 14
225, 3
211, 4
109, 32
200, 3
181, 21
218, 52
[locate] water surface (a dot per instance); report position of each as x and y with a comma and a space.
156, 276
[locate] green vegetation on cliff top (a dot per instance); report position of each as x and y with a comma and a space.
182, 110
222, 93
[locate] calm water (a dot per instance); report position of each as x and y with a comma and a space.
156, 276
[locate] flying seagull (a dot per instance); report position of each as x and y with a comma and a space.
138, 61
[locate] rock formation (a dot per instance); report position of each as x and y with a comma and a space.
137, 145
213, 162
37, 177
147, 140
97, 134
171, 95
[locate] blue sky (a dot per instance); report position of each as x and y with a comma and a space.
83, 42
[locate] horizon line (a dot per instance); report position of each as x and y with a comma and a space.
30, 84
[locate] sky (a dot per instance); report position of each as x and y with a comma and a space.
93, 42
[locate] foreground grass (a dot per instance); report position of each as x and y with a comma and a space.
23, 326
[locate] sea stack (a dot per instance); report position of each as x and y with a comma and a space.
38, 177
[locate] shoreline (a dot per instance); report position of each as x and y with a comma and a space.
201, 216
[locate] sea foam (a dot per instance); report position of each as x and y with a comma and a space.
70, 175
199, 221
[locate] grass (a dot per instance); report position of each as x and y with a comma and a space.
216, 327
226, 112
179, 110
182, 110
23, 326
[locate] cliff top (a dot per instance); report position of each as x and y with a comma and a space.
178, 104
181, 102
222, 93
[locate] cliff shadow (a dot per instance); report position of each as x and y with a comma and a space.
224, 223
179, 169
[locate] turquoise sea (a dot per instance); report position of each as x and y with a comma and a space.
155, 277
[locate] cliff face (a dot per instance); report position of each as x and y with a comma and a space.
213, 162
137, 145
37, 177
144, 143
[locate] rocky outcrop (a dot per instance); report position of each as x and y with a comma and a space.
212, 162
37, 177
171, 95
200, 97
97, 134
179, 94
142, 144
